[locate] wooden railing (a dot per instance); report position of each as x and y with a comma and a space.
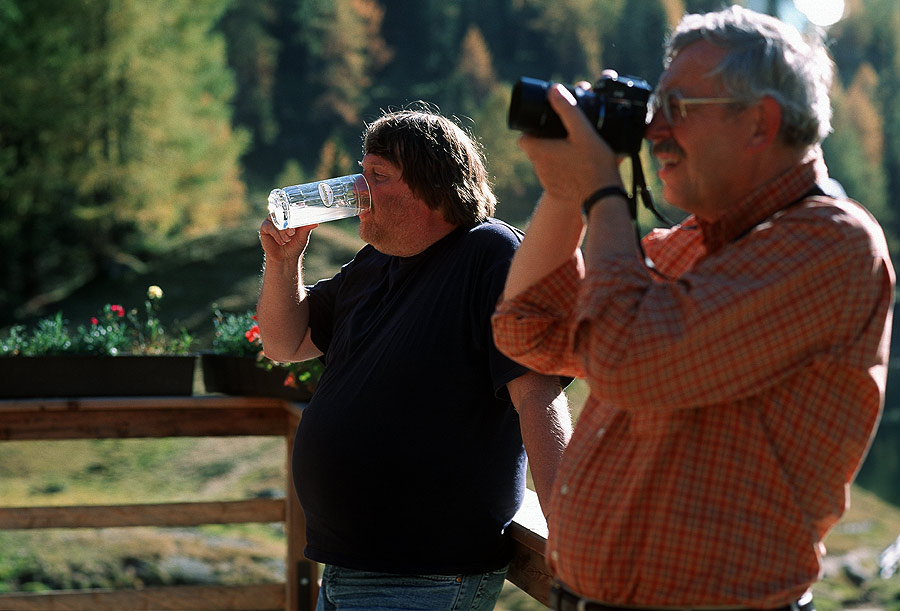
203, 416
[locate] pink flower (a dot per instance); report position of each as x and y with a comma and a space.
94, 321
117, 309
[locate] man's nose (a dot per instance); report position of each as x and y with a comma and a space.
658, 128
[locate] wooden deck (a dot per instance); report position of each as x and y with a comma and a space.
201, 416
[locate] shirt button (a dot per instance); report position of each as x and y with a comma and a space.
554, 556
601, 432
564, 489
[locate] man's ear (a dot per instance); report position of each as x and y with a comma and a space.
767, 113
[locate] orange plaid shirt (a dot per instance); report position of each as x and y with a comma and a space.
730, 406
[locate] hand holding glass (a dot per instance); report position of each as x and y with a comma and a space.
317, 202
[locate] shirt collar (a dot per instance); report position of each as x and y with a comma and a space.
762, 203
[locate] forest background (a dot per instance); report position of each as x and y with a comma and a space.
132, 131
139, 138
128, 126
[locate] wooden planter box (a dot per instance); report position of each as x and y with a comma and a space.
96, 376
240, 375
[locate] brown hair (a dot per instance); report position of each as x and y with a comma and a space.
440, 162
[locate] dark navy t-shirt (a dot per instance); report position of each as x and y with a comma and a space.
408, 459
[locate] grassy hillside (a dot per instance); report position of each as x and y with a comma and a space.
140, 471
137, 471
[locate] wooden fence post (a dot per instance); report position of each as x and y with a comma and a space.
302, 575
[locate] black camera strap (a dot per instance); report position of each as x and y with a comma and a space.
639, 187
639, 190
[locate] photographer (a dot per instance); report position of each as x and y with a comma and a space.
735, 387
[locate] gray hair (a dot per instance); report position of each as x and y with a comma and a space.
767, 57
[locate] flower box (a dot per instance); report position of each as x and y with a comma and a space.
72, 375
242, 375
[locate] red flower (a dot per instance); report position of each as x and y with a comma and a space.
290, 380
94, 321
253, 334
117, 309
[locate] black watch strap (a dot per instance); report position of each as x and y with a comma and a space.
600, 194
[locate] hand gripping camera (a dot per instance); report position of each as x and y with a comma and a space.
616, 107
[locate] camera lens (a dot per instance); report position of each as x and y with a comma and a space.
530, 112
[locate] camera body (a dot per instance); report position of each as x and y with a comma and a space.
616, 107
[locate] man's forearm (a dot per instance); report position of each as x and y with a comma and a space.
546, 427
282, 310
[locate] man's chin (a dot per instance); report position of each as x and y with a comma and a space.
366, 231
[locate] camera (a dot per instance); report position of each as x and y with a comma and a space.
616, 107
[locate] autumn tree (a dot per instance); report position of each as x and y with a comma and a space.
251, 29
475, 67
115, 136
635, 45
855, 151
871, 35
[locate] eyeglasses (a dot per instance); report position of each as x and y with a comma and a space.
674, 105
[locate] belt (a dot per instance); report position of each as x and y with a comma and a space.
563, 599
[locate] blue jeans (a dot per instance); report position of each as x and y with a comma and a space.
351, 590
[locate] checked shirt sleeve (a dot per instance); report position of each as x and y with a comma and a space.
785, 296
534, 328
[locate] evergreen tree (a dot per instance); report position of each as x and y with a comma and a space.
508, 29
252, 49
42, 66
635, 46
115, 136
855, 151
475, 67
326, 70
343, 42
425, 37
485, 101
871, 35
579, 30
335, 161
180, 154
